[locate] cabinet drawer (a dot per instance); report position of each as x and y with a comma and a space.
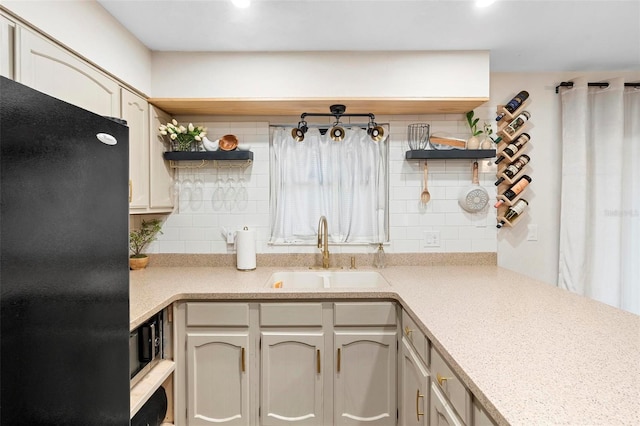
365, 314
217, 314
413, 334
291, 314
451, 386
441, 412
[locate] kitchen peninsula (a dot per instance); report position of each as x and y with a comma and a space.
530, 353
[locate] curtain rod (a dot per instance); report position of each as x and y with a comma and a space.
601, 85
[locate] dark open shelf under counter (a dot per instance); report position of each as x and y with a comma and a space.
430, 154
209, 155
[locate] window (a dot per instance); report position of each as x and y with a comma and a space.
346, 181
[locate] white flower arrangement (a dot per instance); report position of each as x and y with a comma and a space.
184, 136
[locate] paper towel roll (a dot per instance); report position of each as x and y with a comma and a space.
246, 249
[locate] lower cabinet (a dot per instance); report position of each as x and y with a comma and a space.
312, 363
218, 378
365, 353
291, 378
286, 363
414, 389
441, 412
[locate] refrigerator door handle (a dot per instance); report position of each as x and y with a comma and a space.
106, 139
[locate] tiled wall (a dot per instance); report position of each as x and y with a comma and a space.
196, 225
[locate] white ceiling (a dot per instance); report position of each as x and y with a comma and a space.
522, 35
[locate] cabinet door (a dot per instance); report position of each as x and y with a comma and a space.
441, 412
51, 69
414, 388
217, 378
365, 377
7, 35
291, 378
160, 174
136, 111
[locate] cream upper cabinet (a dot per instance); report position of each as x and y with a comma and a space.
7, 47
51, 69
414, 388
160, 174
136, 111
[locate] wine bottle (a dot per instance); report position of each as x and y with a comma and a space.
515, 189
518, 122
514, 211
513, 168
514, 147
514, 103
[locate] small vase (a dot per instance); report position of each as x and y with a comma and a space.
486, 143
473, 143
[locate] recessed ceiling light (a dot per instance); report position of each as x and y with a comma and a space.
484, 3
241, 3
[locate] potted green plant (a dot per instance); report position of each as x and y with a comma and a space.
473, 142
138, 240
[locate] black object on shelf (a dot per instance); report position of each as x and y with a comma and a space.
428, 154
209, 155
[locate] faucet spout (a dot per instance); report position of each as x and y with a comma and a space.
323, 241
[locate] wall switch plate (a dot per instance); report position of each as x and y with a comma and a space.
532, 234
431, 239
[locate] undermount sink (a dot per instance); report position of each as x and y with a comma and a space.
326, 279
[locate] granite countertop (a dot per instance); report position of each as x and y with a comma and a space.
531, 353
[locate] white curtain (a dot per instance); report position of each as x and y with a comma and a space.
600, 204
345, 181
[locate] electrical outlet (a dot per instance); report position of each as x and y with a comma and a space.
431, 239
532, 234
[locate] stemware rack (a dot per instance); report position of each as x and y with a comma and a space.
217, 159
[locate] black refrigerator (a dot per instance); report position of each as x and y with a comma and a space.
64, 275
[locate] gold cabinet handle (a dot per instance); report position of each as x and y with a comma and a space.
418, 413
408, 331
339, 356
441, 379
318, 366
242, 356
130, 190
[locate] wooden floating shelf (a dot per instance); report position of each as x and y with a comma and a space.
280, 106
429, 154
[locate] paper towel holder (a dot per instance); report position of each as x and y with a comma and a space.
246, 262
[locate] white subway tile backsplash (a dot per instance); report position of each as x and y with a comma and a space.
195, 226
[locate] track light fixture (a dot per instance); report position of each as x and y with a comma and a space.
298, 133
337, 132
